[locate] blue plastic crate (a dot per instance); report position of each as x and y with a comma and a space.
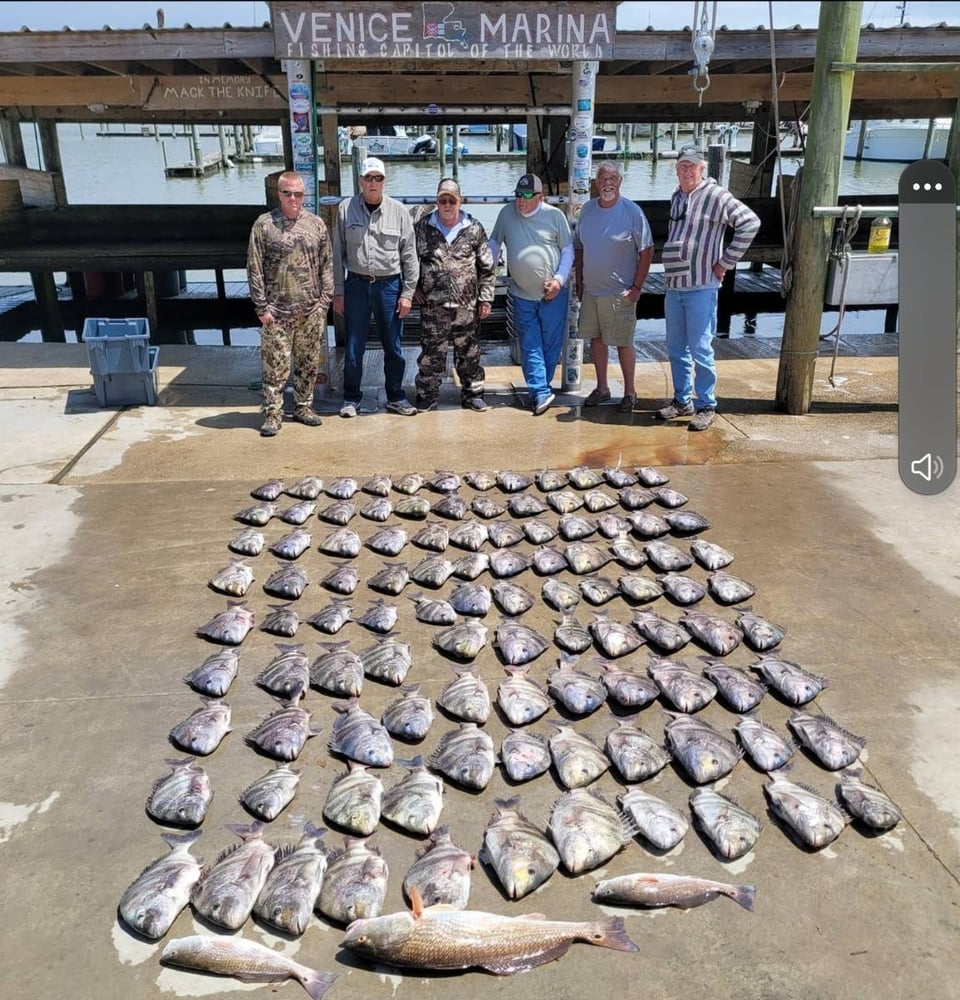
117, 345
130, 388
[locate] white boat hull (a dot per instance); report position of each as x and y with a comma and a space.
898, 141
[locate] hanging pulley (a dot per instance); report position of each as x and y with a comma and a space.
703, 42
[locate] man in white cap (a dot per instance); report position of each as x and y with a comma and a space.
539, 257
455, 293
695, 259
375, 267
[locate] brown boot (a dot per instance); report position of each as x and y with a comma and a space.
270, 426
307, 415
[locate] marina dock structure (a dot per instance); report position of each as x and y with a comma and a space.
307, 73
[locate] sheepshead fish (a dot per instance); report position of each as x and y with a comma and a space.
433, 571
282, 620
521, 855
342, 513
441, 872
686, 522
377, 510
513, 482
354, 800
463, 640
229, 627
521, 698
659, 631
355, 884
338, 671
635, 497
388, 541
634, 753
832, 745
466, 696
704, 754
547, 560
524, 755
656, 820
155, 898
645, 524
518, 643
539, 532
440, 937
650, 477
201, 732
271, 793
618, 477
736, 687
728, 826
414, 803
585, 557
579, 693
342, 488
584, 478
379, 485
658, 889
287, 580
181, 798
717, 634
578, 760
283, 733
292, 545
511, 598
359, 736
469, 535
574, 528
306, 488
613, 637
387, 660
379, 617
759, 634
288, 674
684, 688
332, 618
233, 579
866, 803
796, 685
342, 579
598, 589
257, 515
612, 525
391, 579
452, 505
412, 507
444, 481
565, 501
598, 500
668, 497
344, 542
503, 534
435, 536
410, 716
765, 747
729, 589
639, 588
815, 820
587, 830
226, 893
683, 589
293, 885
466, 756
486, 507
470, 566
525, 505
409, 483
560, 595
548, 480
480, 480
710, 555
471, 599
666, 557
215, 675
248, 543
626, 688
269, 490
298, 513
244, 960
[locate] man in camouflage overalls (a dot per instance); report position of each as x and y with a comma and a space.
455, 293
290, 275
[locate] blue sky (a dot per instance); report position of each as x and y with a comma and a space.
631, 16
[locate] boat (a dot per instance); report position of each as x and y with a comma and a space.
268, 141
901, 140
393, 140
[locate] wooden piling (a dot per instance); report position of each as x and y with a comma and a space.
838, 37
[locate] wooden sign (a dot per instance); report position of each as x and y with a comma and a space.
169, 93
431, 30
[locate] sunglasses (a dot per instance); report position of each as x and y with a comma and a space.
373, 179
446, 201
678, 209
526, 195
291, 194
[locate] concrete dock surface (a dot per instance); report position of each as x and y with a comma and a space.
116, 519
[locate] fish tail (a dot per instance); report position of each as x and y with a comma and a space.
317, 983
611, 933
744, 895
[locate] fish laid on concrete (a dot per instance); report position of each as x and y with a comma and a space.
379, 485
520, 854
539, 532
703, 752
548, 480
668, 497
866, 803
338, 671
520, 697
257, 515
728, 826
440, 937
480, 480
233, 579
832, 745
598, 589
432, 571
287, 580
584, 478
587, 830
244, 960
342, 542
736, 687
391, 579
306, 488
342, 513
466, 696
574, 528
796, 685
355, 884
377, 510
613, 637
201, 732
684, 688
414, 803
509, 562
486, 507
284, 733
388, 541
249, 542
759, 634
618, 477
434, 535
342, 488
657, 820
636, 497
282, 620
683, 589
572, 636
664, 556
342, 579
333, 617
466, 756
598, 500
524, 755
661, 632
388, 660
226, 893
354, 800
229, 627
729, 589
513, 482
151, 903
525, 505
463, 640
293, 885
765, 747
269, 490
686, 522
441, 872
410, 716
578, 760
472, 599
293, 544
409, 484
634, 753
815, 820
469, 535
626, 688
452, 505
181, 798
518, 643
548, 560
270, 794
444, 481
559, 595
717, 634
565, 501
710, 555
379, 617
639, 588
298, 513
511, 598
579, 693
357, 735
585, 557
683, 891
288, 674
215, 675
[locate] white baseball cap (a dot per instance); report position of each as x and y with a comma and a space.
371, 165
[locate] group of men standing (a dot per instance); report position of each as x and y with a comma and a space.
379, 261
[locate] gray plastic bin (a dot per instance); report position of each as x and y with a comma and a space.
130, 388
117, 345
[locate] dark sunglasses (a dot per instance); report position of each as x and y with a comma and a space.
446, 201
291, 194
526, 195
373, 179
678, 209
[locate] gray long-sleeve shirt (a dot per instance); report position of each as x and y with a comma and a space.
379, 243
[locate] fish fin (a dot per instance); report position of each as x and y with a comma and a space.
416, 903
317, 983
523, 963
530, 916
744, 895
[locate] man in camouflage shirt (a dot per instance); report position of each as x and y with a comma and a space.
455, 293
290, 275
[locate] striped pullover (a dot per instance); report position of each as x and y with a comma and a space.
695, 236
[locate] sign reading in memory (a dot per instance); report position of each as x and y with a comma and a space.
431, 30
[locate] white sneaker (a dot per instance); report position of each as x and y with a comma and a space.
348, 410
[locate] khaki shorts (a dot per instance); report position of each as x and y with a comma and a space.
612, 318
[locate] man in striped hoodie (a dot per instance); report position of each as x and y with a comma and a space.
695, 259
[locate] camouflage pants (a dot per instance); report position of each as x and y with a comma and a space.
441, 326
297, 338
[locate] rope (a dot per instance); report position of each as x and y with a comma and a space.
788, 230
703, 42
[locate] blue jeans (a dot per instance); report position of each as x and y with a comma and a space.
540, 329
359, 298
691, 322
